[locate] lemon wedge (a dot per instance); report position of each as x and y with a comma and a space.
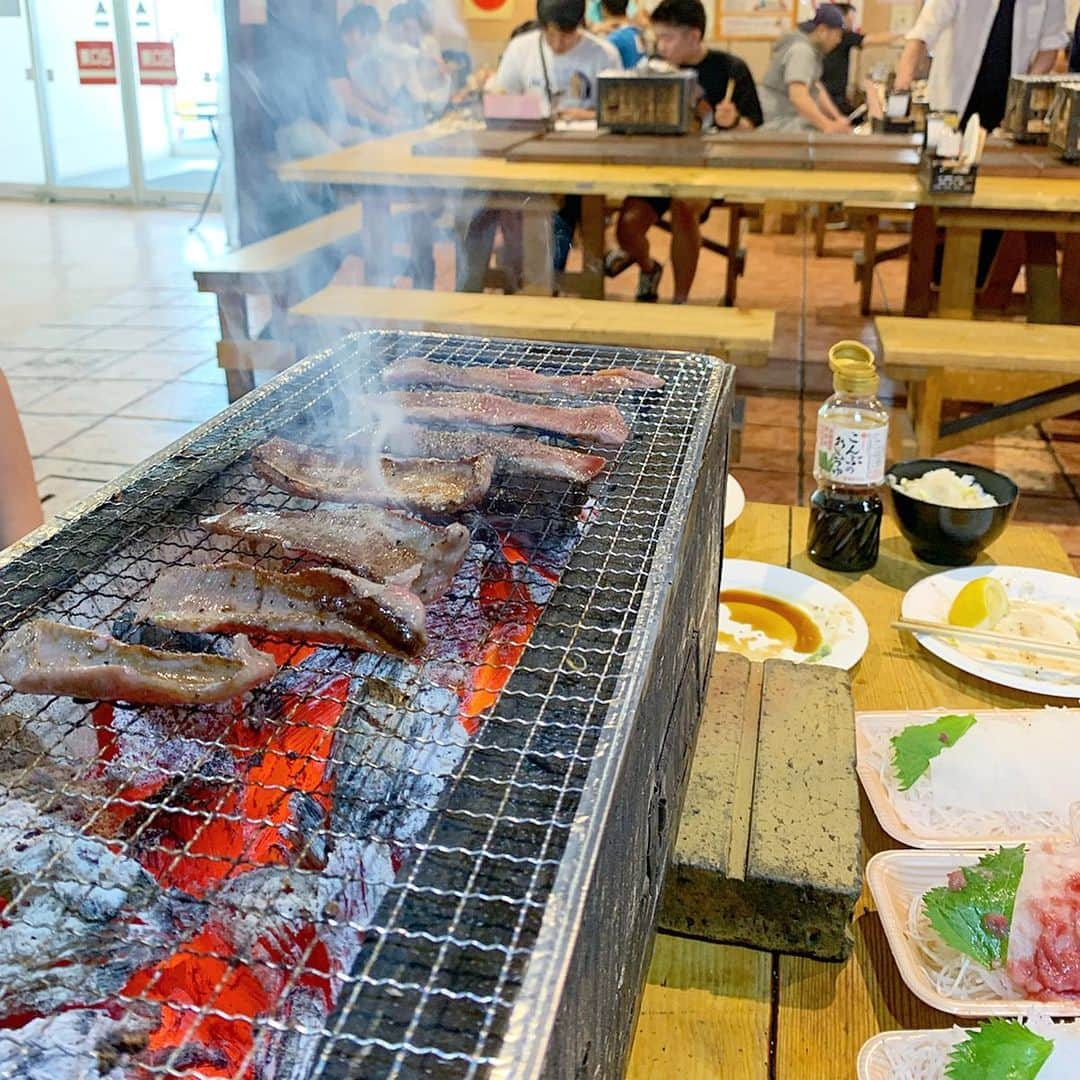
981, 604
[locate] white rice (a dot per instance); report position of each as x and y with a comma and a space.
943, 487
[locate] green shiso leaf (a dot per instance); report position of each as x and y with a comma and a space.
916, 746
969, 918
999, 1050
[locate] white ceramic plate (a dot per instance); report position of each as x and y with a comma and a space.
841, 623
932, 597
897, 879
734, 501
872, 733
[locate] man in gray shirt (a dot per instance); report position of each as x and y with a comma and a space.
792, 97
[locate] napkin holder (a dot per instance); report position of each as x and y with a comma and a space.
1064, 121
516, 112
646, 102
939, 176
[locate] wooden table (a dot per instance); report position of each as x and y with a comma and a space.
716, 1011
1049, 202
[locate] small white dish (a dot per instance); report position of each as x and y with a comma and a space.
734, 502
873, 730
881, 1050
842, 626
932, 597
898, 879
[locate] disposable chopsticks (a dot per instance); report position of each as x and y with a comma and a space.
989, 637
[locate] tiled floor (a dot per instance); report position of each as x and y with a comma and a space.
110, 352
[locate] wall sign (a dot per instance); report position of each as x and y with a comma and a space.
157, 63
755, 20
488, 9
97, 62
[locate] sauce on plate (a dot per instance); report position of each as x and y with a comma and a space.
788, 625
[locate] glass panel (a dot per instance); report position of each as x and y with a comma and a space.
21, 158
176, 123
87, 121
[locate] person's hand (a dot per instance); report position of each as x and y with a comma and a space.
574, 113
726, 115
837, 127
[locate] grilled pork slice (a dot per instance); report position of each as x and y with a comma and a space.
424, 485
524, 457
381, 545
602, 424
317, 605
411, 370
44, 657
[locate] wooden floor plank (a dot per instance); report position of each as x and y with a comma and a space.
705, 1013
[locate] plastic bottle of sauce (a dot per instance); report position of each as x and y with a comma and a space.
849, 464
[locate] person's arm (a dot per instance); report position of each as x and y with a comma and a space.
20, 507
911, 60
826, 103
883, 37
355, 106
934, 19
799, 95
746, 98
1053, 37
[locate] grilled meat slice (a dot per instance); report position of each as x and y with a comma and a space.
316, 605
524, 457
602, 424
44, 657
381, 545
414, 370
424, 485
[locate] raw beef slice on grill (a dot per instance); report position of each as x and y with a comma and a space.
424, 485
319, 605
44, 657
381, 545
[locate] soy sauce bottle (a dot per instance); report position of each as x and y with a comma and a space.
849, 464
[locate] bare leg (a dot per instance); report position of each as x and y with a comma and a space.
636, 218
685, 243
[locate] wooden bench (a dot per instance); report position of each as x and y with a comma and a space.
279, 268
741, 336
954, 359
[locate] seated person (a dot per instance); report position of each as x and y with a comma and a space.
400, 67
792, 96
362, 94
559, 60
728, 100
436, 74
622, 32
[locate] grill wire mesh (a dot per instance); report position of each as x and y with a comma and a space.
346, 878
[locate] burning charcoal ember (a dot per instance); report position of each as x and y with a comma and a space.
79, 918
81, 1044
513, 455
318, 604
415, 370
44, 657
422, 485
602, 424
380, 545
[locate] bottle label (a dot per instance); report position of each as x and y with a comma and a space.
847, 455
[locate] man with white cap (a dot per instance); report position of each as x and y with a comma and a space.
976, 45
792, 97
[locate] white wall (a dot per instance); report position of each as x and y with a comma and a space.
20, 140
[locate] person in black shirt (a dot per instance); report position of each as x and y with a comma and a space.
728, 99
836, 65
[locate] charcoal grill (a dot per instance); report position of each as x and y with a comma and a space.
371, 868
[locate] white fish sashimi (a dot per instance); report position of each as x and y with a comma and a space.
1010, 764
1044, 935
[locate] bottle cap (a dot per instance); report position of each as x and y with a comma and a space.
853, 369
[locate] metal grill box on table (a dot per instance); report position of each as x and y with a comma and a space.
356, 871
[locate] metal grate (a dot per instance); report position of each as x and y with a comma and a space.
347, 876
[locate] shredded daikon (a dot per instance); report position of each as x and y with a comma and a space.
920, 809
951, 973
